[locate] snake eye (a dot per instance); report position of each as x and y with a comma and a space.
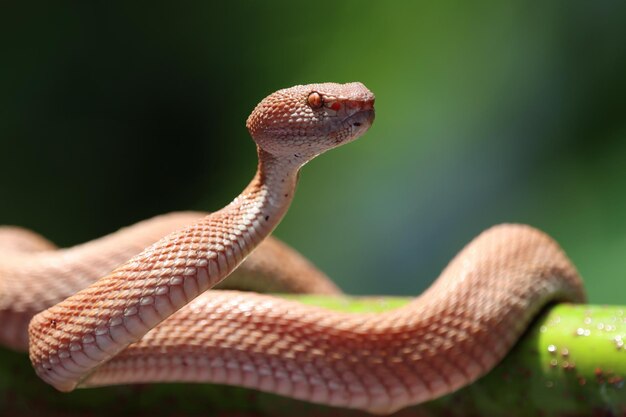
315, 100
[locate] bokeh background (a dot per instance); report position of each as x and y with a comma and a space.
487, 112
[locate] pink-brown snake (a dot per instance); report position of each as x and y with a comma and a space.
151, 319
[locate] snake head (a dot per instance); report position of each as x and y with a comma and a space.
306, 120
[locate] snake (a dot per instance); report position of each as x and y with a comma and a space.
137, 306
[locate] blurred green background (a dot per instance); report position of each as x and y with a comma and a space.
487, 112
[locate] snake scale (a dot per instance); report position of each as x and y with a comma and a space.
134, 307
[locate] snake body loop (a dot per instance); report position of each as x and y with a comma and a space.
35, 275
151, 319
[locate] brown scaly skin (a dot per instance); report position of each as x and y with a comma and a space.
35, 275
123, 328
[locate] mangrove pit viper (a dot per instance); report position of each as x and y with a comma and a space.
152, 318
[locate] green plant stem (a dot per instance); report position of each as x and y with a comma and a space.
571, 362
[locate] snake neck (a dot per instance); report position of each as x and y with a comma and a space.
263, 203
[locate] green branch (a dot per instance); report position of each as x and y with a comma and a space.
572, 362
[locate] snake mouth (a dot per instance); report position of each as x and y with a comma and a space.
367, 114
360, 121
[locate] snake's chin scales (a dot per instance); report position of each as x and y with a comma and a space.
152, 318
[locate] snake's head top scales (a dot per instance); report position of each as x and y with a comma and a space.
306, 120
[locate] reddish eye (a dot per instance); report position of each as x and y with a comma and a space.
315, 100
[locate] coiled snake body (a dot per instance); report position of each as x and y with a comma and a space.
151, 319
